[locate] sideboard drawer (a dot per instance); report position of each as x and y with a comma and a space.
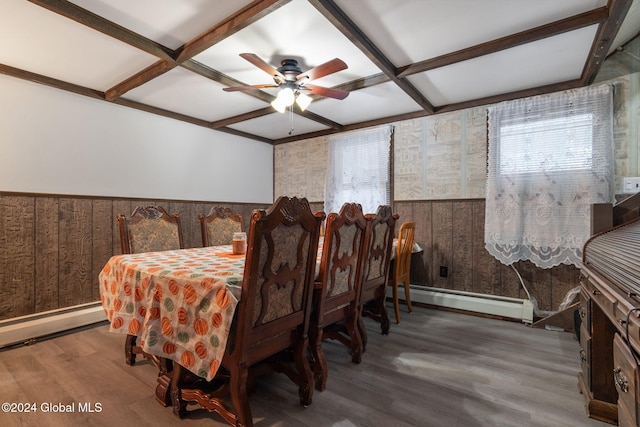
625, 375
585, 354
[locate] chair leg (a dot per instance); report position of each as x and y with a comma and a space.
363, 331
407, 294
129, 354
239, 396
385, 322
179, 405
319, 361
305, 376
396, 305
355, 337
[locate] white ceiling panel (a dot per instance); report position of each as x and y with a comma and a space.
169, 22
447, 26
364, 105
551, 60
276, 125
64, 49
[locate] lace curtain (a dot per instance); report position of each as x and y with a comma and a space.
358, 169
549, 158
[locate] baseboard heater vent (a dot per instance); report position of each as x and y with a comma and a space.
25, 329
512, 308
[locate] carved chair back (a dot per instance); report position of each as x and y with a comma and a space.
273, 311
270, 326
375, 270
149, 229
337, 288
218, 227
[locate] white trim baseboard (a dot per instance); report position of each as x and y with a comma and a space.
512, 308
25, 329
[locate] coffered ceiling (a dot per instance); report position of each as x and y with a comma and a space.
405, 58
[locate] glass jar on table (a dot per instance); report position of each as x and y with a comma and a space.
239, 243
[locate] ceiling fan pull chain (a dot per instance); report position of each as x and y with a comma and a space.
291, 119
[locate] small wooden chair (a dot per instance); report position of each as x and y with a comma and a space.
335, 299
270, 327
375, 271
148, 229
402, 266
218, 227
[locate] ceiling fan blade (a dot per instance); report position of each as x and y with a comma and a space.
328, 92
322, 70
235, 88
264, 66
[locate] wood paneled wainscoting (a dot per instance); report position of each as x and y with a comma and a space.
451, 232
53, 247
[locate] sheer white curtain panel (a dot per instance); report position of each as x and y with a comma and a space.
550, 157
358, 169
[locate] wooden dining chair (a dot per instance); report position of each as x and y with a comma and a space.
375, 270
218, 227
270, 328
336, 293
402, 266
147, 229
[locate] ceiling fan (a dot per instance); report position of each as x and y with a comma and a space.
293, 82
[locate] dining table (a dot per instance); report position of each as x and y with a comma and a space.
178, 303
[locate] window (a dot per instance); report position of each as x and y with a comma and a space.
550, 158
359, 170
555, 144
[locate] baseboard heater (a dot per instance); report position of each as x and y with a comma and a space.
512, 308
26, 329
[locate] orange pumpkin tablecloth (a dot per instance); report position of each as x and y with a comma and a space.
179, 303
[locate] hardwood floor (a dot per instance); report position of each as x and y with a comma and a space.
436, 368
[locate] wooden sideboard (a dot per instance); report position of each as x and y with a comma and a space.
609, 376
610, 319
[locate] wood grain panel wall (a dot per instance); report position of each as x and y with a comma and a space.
53, 247
451, 232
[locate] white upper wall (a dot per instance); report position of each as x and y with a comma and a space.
56, 142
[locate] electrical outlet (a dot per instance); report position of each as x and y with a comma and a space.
631, 184
444, 271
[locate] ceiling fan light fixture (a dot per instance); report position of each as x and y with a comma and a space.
284, 99
303, 100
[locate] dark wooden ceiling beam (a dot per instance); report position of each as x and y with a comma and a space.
222, 78
242, 117
363, 83
548, 30
245, 135
355, 126
604, 39
341, 21
138, 79
51, 82
318, 119
98, 23
525, 93
241, 19
161, 112
269, 110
